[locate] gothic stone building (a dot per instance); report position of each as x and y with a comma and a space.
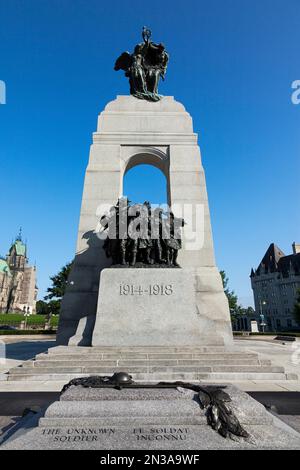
18, 289
275, 283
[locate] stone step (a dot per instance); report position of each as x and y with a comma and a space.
168, 377
227, 377
138, 349
148, 357
99, 370
137, 362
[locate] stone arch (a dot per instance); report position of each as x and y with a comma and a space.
146, 156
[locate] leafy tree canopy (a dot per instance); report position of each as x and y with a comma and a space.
55, 292
231, 296
42, 307
48, 308
59, 283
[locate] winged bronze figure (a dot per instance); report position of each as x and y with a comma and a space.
144, 67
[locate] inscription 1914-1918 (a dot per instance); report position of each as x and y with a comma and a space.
151, 289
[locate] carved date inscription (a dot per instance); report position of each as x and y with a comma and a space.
151, 289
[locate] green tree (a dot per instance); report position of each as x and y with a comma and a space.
48, 308
57, 289
42, 307
232, 298
247, 311
296, 311
54, 307
235, 309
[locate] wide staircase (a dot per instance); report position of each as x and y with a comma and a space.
150, 364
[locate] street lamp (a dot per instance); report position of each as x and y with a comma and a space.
262, 317
27, 314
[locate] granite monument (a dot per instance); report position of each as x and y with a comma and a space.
106, 305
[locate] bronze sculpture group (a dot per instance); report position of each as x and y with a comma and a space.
139, 234
144, 67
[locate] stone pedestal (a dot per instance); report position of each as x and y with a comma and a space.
157, 307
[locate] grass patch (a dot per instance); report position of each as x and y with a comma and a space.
14, 319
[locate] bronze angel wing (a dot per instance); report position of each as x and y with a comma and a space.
123, 62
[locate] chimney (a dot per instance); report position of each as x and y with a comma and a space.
296, 248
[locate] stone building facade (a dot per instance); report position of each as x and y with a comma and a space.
275, 283
18, 290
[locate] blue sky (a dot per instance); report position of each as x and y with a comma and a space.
232, 63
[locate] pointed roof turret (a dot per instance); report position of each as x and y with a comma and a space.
270, 260
18, 245
19, 236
